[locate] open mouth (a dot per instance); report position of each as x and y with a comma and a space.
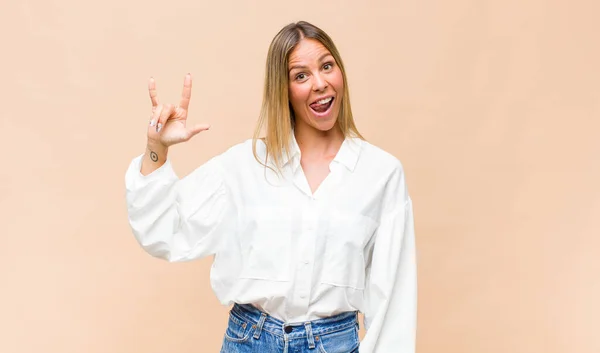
322, 106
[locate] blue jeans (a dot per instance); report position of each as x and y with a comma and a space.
251, 330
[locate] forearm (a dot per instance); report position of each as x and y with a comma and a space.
154, 158
178, 219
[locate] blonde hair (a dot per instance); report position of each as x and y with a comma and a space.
276, 111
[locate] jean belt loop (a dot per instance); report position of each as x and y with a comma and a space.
309, 335
259, 326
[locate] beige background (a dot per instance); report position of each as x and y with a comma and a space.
492, 106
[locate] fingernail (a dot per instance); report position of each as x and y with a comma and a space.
158, 127
153, 122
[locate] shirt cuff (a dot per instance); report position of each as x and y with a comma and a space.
134, 175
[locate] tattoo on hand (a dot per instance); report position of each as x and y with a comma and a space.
153, 156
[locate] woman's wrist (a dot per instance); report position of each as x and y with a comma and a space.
154, 158
156, 150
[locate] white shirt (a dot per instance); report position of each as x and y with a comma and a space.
296, 255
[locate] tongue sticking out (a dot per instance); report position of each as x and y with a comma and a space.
320, 108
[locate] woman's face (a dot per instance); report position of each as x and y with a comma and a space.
316, 85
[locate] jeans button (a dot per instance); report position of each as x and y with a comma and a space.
288, 329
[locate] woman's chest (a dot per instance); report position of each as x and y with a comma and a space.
278, 239
315, 173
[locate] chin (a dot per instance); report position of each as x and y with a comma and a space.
326, 126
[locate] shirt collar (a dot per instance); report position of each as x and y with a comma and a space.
347, 155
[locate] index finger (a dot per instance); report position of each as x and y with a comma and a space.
186, 94
153, 94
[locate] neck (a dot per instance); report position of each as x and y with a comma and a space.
316, 144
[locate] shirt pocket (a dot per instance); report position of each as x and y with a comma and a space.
265, 245
346, 238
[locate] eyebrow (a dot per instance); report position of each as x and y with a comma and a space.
304, 67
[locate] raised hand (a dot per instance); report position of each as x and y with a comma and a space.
167, 126
168, 123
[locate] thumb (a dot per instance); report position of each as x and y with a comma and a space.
197, 129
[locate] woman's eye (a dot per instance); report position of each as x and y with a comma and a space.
327, 66
300, 77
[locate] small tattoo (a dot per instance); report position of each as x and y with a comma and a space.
153, 156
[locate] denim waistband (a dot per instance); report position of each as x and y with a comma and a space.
300, 330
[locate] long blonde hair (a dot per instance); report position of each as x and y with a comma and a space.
276, 111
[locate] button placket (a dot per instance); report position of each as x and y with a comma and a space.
306, 252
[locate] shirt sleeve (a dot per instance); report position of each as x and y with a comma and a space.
390, 316
178, 219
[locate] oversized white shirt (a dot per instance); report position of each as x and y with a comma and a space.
296, 255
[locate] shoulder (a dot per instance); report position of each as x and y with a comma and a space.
376, 158
387, 171
242, 152
240, 147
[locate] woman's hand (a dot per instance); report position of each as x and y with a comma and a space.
168, 123
167, 127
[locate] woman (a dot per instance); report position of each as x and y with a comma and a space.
308, 225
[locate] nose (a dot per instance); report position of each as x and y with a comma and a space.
319, 83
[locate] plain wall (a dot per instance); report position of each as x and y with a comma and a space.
492, 106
